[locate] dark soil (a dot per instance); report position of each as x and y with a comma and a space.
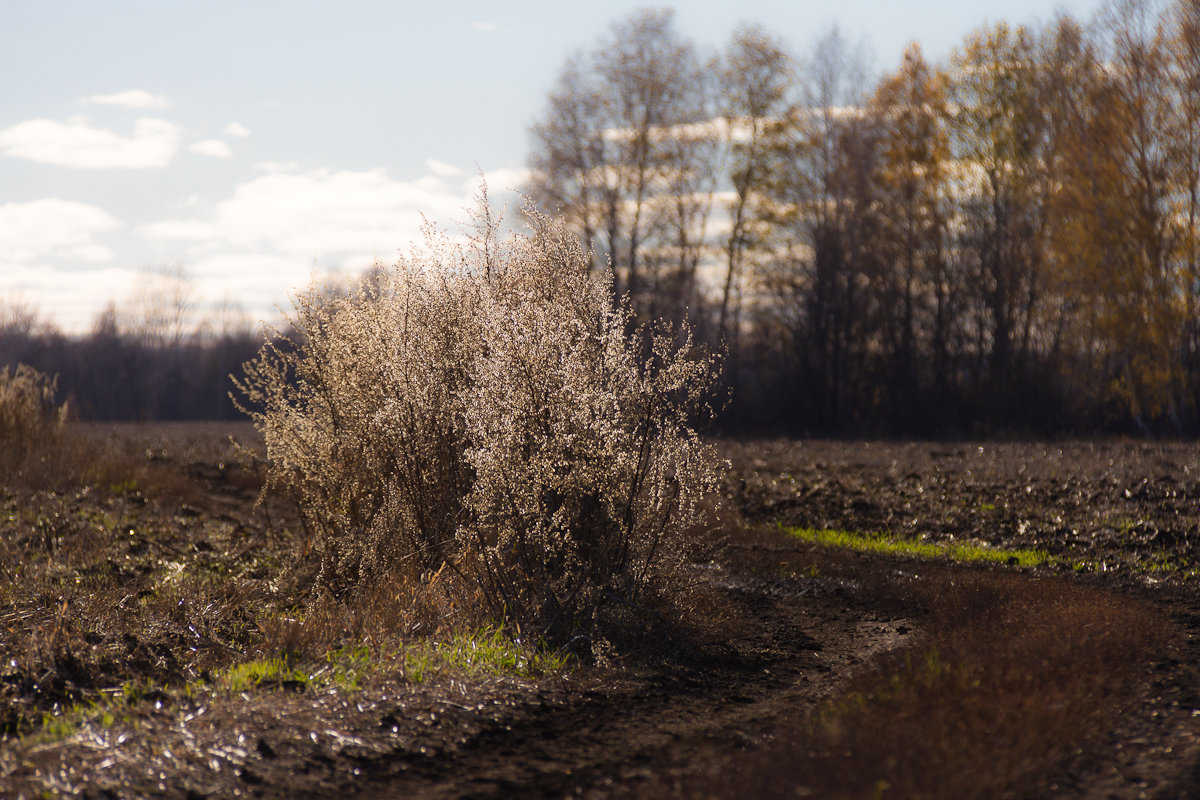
1117, 505
794, 625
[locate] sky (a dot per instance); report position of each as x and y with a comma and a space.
259, 145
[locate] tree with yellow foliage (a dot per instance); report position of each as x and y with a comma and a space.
910, 109
996, 122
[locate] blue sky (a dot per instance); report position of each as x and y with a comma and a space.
255, 143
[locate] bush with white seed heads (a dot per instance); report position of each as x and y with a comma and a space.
481, 410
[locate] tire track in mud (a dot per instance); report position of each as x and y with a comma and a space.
796, 650
801, 637
801, 642
1155, 750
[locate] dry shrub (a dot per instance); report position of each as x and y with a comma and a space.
480, 410
32, 425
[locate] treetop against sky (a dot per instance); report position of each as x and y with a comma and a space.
254, 145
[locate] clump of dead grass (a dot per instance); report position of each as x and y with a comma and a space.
43, 447
33, 442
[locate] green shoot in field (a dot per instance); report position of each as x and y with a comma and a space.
955, 551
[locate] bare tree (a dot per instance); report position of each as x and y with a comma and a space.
571, 160
999, 137
910, 105
1183, 46
757, 101
21, 327
159, 312
1112, 210
616, 152
819, 216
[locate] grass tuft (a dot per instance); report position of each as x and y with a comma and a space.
492, 651
264, 673
892, 545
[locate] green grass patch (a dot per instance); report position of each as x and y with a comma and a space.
488, 651
273, 672
892, 545
102, 712
348, 668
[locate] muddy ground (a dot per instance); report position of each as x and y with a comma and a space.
793, 624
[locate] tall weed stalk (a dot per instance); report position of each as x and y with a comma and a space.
32, 426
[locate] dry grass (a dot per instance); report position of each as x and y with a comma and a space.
42, 447
104, 589
33, 446
113, 593
1013, 676
111, 572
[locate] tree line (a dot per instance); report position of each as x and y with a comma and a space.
1002, 242
1006, 241
154, 356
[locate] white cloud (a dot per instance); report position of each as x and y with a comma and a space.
50, 252
179, 230
326, 212
213, 148
262, 282
134, 98
428, 183
72, 296
276, 166
53, 228
353, 264
256, 277
486, 27
237, 130
442, 169
502, 180
267, 239
75, 143
329, 214
91, 252
277, 231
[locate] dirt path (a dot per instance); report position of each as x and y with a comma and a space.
672, 730
1154, 751
796, 651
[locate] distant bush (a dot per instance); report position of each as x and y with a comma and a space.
478, 414
32, 425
